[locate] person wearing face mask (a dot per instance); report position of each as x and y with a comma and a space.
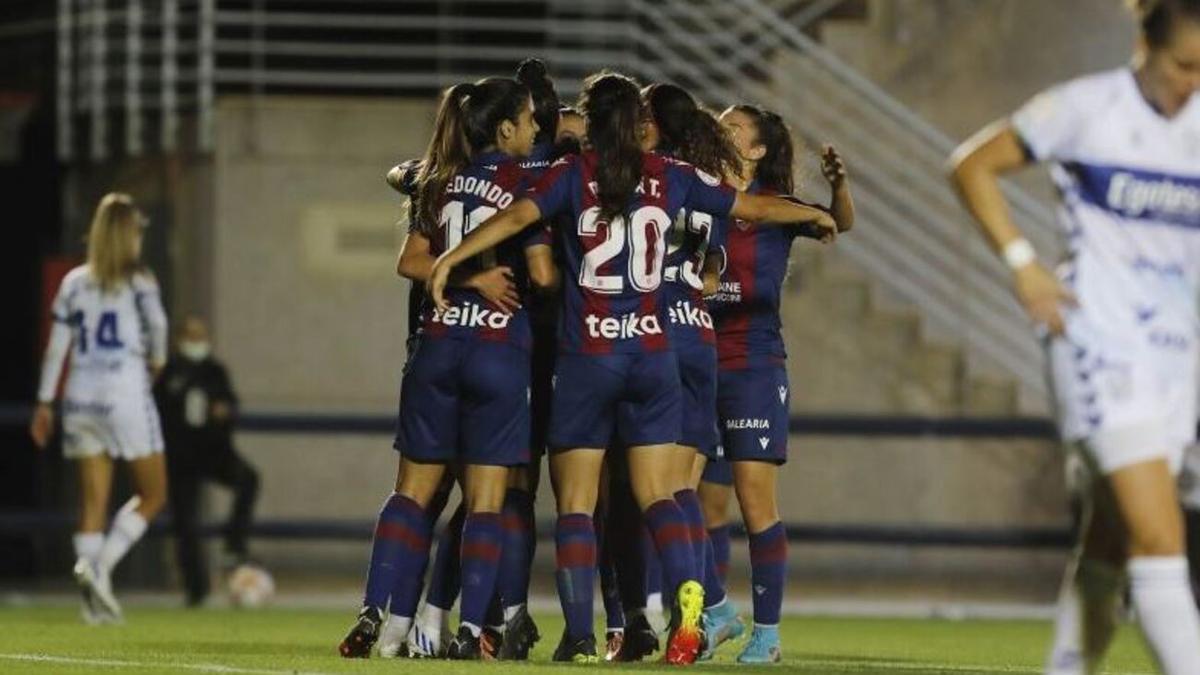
197, 405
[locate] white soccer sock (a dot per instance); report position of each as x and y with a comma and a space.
87, 545
1166, 611
1087, 617
433, 619
475, 630
395, 631
127, 527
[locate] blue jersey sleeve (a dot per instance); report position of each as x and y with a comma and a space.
704, 192
552, 192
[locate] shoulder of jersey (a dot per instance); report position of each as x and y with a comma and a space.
78, 275
1094, 89
144, 281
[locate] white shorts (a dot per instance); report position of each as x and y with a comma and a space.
1126, 401
125, 427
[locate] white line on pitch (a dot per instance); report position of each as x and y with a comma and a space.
116, 663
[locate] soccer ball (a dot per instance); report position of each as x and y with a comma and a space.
250, 586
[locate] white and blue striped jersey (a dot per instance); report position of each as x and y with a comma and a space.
1129, 181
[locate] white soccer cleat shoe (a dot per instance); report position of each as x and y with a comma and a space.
99, 585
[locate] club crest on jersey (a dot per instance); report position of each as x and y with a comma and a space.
471, 315
685, 313
622, 328
782, 394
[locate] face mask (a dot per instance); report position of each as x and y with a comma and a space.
194, 351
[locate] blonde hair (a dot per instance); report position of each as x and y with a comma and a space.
111, 255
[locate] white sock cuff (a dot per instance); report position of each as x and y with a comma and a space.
130, 523
87, 544
1153, 569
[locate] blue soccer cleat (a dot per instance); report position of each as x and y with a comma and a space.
763, 646
721, 624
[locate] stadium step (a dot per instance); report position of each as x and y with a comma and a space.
851, 348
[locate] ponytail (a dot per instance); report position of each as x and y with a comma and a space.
612, 107
688, 131
447, 154
532, 74
466, 124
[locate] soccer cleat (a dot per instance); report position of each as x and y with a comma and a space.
426, 644
763, 646
582, 650
89, 613
362, 636
465, 646
686, 638
96, 583
639, 640
520, 634
614, 640
721, 623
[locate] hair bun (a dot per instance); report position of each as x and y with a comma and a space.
531, 72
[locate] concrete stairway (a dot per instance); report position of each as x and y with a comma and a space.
850, 349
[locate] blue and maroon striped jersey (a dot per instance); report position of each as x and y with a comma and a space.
491, 182
746, 308
611, 301
693, 236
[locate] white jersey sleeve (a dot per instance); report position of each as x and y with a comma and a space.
148, 301
60, 339
1052, 122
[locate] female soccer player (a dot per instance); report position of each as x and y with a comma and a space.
615, 375
109, 317
674, 125
464, 395
752, 384
1120, 317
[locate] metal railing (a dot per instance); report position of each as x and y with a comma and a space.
130, 66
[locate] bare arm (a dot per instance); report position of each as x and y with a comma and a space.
760, 208
975, 172
42, 424
494, 284
543, 273
494, 230
711, 274
841, 206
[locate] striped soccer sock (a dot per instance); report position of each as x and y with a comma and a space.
575, 540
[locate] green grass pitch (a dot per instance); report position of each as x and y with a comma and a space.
51, 640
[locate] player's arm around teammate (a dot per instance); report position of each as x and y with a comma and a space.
109, 317
1108, 134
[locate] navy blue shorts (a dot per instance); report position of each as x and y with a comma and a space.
465, 400
615, 399
698, 380
541, 389
752, 409
718, 471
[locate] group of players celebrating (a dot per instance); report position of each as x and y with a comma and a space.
600, 284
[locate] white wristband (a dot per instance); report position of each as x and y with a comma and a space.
1018, 253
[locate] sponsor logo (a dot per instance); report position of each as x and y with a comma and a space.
764, 441
471, 315
685, 313
1135, 196
484, 189
747, 423
622, 328
783, 394
1171, 341
728, 291
759, 589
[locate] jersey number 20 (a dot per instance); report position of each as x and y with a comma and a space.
644, 234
